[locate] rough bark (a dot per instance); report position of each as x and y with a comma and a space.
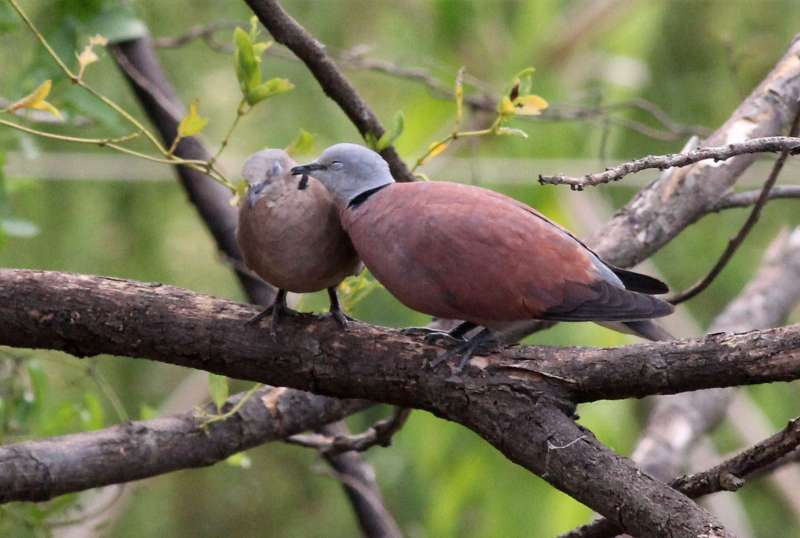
41, 470
520, 401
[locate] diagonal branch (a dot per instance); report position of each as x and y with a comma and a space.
288, 32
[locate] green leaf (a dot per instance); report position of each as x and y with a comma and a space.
116, 24
218, 389
393, 133
246, 62
302, 144
240, 459
270, 88
21, 228
193, 122
371, 140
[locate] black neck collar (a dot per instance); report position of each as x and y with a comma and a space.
361, 198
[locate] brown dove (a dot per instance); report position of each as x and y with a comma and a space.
463, 252
292, 239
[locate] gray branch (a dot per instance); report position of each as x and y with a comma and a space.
716, 154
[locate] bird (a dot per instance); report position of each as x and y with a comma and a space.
463, 252
292, 239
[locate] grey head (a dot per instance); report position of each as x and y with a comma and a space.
263, 169
348, 170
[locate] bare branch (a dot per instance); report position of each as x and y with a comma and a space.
288, 32
748, 198
769, 144
205, 32
41, 470
361, 487
744, 231
380, 433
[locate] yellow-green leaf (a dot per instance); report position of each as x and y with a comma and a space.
435, 149
268, 89
529, 105
192, 123
505, 107
302, 144
240, 459
239, 193
218, 389
459, 95
389, 137
36, 100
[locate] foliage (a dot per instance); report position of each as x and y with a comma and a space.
439, 479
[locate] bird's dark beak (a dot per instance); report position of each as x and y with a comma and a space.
304, 171
307, 169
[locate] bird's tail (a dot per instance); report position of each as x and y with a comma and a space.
646, 329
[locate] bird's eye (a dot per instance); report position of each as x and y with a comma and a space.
336, 165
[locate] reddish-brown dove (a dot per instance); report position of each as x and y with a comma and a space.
463, 252
292, 239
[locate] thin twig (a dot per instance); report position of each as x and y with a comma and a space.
768, 144
752, 219
206, 32
379, 433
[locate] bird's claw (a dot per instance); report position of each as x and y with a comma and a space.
481, 344
340, 318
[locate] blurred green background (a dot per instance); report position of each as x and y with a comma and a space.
695, 60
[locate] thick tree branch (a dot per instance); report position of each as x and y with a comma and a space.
85, 316
681, 195
678, 421
770, 144
41, 470
729, 475
510, 399
290, 33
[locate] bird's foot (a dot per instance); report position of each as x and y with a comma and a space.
277, 310
261, 315
340, 318
433, 336
279, 313
482, 343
